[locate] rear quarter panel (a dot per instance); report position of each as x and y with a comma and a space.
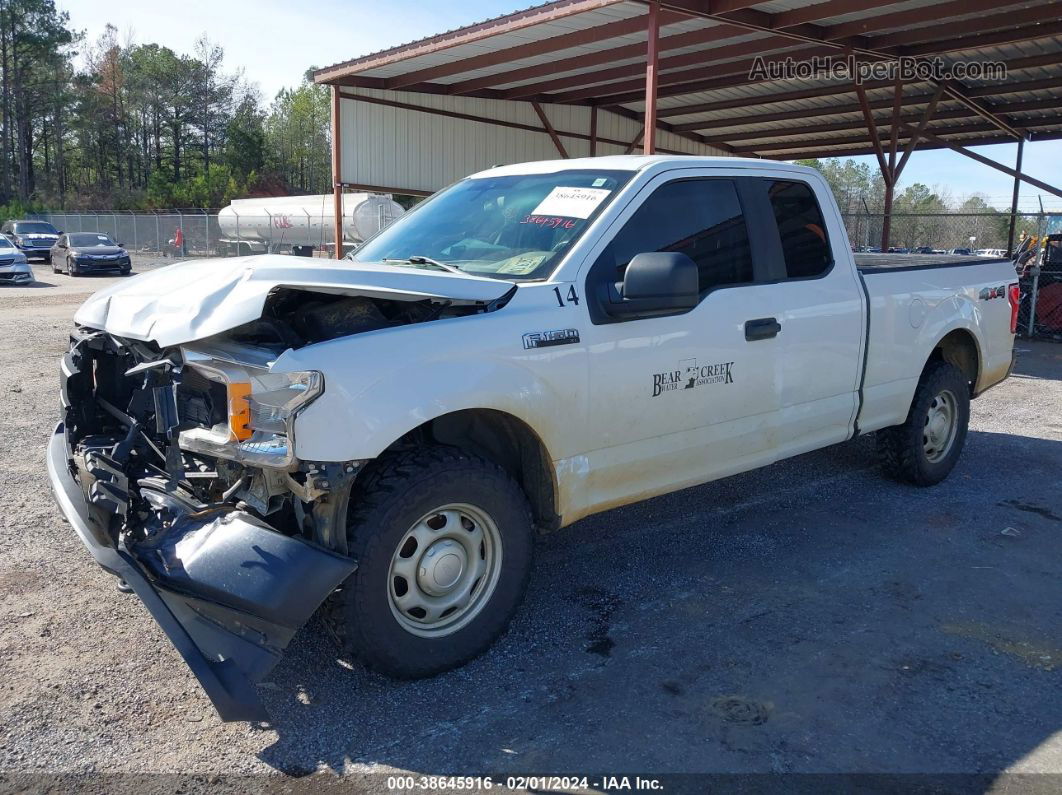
912, 310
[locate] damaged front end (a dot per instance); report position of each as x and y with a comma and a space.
177, 469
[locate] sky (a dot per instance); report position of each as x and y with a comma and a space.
274, 43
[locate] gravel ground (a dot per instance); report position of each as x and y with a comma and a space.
810, 617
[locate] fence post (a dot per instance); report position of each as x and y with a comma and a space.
237, 231
133, 216
158, 246
1034, 271
269, 215
184, 237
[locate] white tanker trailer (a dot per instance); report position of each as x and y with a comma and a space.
299, 224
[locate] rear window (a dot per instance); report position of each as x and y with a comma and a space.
86, 239
801, 228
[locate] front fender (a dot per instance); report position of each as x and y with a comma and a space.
355, 420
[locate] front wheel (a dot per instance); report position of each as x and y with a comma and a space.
443, 542
925, 449
71, 268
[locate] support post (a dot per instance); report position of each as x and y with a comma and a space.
337, 177
1014, 198
593, 130
651, 76
886, 218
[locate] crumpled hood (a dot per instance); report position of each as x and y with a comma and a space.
200, 298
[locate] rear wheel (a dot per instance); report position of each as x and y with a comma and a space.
925, 449
443, 542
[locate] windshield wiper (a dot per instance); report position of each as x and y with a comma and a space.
417, 259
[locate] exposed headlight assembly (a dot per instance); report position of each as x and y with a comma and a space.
261, 408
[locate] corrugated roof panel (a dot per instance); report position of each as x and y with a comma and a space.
493, 42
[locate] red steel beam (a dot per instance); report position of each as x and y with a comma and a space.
754, 20
652, 71
593, 130
857, 151
831, 8
836, 110
928, 114
337, 177
1013, 35
915, 16
872, 128
582, 78
989, 162
980, 24
906, 132
549, 129
842, 89
860, 124
673, 83
577, 38
635, 141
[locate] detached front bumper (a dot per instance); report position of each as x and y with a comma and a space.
227, 590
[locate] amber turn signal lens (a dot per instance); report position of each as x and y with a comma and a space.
240, 410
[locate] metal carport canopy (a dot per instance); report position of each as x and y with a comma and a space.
580, 77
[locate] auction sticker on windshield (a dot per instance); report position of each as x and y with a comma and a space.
571, 202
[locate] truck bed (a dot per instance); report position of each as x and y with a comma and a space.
871, 263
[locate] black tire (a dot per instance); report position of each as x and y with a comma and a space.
384, 504
902, 448
71, 268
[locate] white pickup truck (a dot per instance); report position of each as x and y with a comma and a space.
245, 439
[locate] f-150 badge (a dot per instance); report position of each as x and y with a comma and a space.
548, 339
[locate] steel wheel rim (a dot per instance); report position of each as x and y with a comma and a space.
938, 431
444, 570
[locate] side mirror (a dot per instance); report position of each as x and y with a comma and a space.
661, 282
121, 245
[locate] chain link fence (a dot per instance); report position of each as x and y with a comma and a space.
202, 232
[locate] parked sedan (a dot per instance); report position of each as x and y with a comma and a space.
14, 267
89, 252
32, 238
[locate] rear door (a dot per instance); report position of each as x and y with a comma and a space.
681, 399
816, 298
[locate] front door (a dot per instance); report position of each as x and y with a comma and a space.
683, 399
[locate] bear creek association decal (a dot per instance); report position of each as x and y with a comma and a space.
689, 375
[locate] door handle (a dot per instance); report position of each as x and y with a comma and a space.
762, 328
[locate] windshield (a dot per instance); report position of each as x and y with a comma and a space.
86, 239
507, 227
5, 243
35, 228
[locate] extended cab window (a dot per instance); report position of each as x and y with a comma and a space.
801, 228
698, 217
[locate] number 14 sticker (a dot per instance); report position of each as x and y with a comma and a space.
573, 297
